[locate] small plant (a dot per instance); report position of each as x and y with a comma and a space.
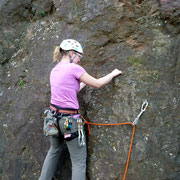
21, 83
135, 60
42, 13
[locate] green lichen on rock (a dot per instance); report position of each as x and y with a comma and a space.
147, 75
135, 61
143, 72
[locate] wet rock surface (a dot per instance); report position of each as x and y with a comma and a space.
139, 37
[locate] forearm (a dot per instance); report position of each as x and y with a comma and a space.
106, 79
97, 83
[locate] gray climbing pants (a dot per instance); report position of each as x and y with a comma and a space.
77, 154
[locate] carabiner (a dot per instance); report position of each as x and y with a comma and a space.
143, 109
79, 133
47, 110
144, 105
81, 137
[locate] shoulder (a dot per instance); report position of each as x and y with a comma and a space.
77, 70
77, 67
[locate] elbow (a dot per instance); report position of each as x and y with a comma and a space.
98, 85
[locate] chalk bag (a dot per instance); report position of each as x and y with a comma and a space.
50, 125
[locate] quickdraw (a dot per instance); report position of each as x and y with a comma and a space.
81, 137
143, 109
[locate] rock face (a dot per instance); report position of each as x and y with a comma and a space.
139, 37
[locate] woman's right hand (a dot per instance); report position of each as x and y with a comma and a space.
97, 83
116, 72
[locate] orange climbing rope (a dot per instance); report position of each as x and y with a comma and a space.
143, 108
116, 124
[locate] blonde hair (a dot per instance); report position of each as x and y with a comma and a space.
56, 54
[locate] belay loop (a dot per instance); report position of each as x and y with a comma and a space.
143, 109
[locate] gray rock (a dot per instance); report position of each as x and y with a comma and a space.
139, 37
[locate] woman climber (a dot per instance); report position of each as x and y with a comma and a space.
67, 78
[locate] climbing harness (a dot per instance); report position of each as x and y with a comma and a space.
143, 109
81, 137
51, 126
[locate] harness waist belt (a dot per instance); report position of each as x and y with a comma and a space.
64, 110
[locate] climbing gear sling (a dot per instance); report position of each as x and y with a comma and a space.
143, 109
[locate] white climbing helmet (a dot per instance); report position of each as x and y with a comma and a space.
71, 44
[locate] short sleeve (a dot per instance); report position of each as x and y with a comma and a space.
78, 71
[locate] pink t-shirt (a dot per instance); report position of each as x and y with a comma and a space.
65, 84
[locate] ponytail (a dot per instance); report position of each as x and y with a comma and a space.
56, 54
